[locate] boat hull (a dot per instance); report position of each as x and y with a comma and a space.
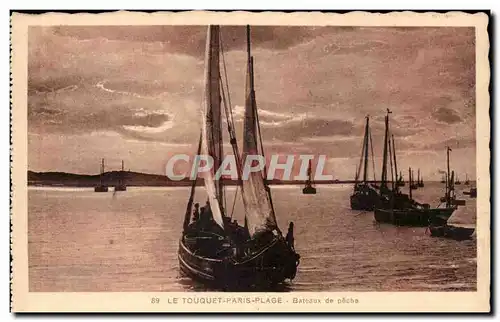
451, 232
309, 191
472, 193
413, 217
120, 188
363, 202
101, 189
269, 267
365, 198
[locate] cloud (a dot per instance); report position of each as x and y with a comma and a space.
453, 143
314, 85
190, 40
447, 115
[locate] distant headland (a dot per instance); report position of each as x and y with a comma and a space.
138, 179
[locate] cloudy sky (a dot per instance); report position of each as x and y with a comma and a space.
134, 93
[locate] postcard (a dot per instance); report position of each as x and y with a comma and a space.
250, 162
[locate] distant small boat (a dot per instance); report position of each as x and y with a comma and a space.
101, 187
467, 182
400, 182
471, 193
309, 189
420, 180
413, 185
451, 232
121, 182
458, 182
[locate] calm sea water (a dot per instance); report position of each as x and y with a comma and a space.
84, 241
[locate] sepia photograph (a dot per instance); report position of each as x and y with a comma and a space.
305, 161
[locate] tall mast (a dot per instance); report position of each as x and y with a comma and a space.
395, 164
216, 112
411, 180
391, 165
383, 185
309, 172
448, 183
365, 172
122, 174
358, 168
102, 171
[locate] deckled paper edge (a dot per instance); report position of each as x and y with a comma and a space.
22, 300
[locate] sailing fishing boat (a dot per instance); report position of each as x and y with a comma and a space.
101, 187
458, 182
414, 214
450, 196
213, 248
441, 228
364, 196
309, 189
390, 196
121, 180
400, 209
467, 182
443, 179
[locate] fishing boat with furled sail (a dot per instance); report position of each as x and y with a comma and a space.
365, 196
390, 194
213, 248
414, 213
449, 195
309, 189
101, 187
400, 209
442, 229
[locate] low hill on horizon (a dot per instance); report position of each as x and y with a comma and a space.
110, 178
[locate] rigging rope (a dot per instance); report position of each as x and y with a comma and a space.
358, 170
389, 145
230, 121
